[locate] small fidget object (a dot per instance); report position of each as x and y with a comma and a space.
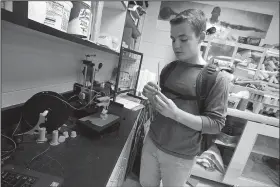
54, 138
66, 134
73, 134
42, 135
103, 114
61, 139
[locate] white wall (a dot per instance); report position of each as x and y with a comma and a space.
156, 42
33, 62
112, 22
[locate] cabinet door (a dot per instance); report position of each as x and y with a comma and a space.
247, 168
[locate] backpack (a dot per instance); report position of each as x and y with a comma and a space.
204, 82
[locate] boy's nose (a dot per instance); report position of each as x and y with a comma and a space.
176, 44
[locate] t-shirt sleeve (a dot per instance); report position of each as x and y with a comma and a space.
215, 106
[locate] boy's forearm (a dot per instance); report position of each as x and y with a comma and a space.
190, 120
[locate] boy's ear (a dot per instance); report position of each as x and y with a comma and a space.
202, 36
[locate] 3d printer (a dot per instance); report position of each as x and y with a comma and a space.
93, 94
51, 110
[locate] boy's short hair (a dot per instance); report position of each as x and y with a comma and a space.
195, 17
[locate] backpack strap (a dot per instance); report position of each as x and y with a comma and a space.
205, 81
166, 71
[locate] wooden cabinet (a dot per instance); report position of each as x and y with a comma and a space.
246, 167
259, 141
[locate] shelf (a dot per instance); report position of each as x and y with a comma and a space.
131, 51
251, 47
204, 44
264, 71
223, 42
130, 24
258, 148
270, 84
199, 171
239, 45
270, 72
119, 5
200, 182
272, 52
224, 144
266, 146
33, 25
254, 171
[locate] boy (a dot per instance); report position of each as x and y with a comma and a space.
174, 138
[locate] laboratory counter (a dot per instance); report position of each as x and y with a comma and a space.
84, 161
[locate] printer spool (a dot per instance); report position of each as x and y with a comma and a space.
38, 103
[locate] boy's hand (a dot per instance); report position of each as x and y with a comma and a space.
150, 89
164, 105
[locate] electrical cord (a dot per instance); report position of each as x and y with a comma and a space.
28, 164
57, 162
68, 104
21, 117
15, 145
72, 97
17, 126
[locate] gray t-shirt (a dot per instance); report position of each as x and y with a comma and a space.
177, 139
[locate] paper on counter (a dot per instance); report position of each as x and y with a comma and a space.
129, 104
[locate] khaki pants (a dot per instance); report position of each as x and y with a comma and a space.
158, 166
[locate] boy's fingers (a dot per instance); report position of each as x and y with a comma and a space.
150, 89
159, 101
163, 97
154, 85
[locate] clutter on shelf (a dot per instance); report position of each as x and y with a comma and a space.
249, 40
52, 13
108, 41
211, 160
80, 18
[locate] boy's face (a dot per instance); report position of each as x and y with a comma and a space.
184, 41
